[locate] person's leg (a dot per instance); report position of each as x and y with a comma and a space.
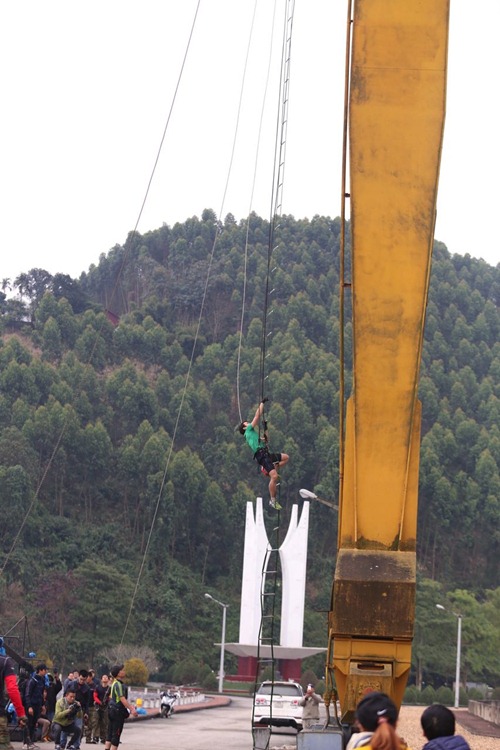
273, 483
90, 726
116, 732
109, 734
32, 722
94, 724
45, 726
56, 734
4, 734
75, 743
104, 725
76, 732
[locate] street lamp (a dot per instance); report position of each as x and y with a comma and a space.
223, 639
308, 495
459, 648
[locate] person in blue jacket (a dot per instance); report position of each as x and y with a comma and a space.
34, 699
438, 723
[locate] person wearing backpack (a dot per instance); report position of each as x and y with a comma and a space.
8, 683
34, 699
119, 707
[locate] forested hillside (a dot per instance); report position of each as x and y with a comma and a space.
114, 413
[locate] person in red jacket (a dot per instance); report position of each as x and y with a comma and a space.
8, 684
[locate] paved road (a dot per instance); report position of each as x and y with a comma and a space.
215, 729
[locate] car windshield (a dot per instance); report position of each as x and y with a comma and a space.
279, 690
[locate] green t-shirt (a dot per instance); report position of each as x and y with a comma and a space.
252, 438
117, 690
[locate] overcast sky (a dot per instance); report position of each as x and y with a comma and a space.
87, 88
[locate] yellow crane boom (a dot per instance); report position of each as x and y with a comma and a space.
396, 109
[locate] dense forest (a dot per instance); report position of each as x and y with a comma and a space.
124, 480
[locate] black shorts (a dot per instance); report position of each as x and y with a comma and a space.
266, 459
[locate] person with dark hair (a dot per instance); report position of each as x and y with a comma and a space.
68, 711
376, 717
101, 699
53, 690
118, 707
91, 725
72, 676
82, 696
438, 723
8, 684
269, 462
34, 699
310, 702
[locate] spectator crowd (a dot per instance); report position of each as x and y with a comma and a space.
82, 707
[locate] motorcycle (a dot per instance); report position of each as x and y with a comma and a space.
167, 700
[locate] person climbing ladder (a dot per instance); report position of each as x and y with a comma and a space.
269, 462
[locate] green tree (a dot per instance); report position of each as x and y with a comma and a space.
51, 340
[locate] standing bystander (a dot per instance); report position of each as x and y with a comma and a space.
34, 700
8, 683
310, 702
118, 707
53, 690
101, 699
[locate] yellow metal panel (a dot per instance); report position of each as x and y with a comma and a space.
396, 112
396, 120
370, 664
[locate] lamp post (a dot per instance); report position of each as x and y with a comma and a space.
308, 495
223, 639
459, 649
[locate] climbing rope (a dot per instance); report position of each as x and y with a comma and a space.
278, 183
196, 337
270, 567
249, 212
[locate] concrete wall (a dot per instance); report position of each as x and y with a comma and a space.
489, 710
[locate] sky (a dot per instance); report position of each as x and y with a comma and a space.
88, 89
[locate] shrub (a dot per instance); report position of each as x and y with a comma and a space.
444, 695
427, 696
185, 672
320, 687
136, 671
475, 695
209, 681
411, 695
308, 677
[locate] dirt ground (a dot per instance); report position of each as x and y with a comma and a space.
409, 728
